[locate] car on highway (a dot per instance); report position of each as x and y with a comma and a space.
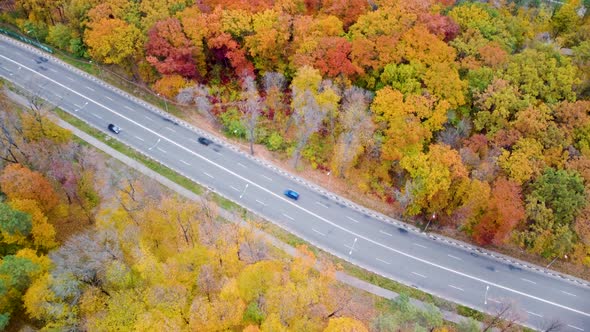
114, 128
292, 194
204, 141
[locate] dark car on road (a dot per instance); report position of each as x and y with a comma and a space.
204, 141
114, 128
292, 194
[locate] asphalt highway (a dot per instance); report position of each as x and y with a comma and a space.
444, 268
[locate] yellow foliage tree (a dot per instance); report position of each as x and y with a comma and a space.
112, 41
42, 231
345, 324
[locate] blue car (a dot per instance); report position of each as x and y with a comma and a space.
292, 194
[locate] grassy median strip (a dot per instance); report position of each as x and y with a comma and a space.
131, 153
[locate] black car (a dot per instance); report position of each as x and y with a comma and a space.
204, 141
114, 128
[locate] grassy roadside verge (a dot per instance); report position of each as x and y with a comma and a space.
115, 144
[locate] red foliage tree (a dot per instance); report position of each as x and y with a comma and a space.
19, 182
505, 211
331, 57
224, 47
248, 5
169, 50
346, 10
440, 25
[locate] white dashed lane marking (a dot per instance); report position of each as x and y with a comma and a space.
419, 245
455, 257
96, 115
322, 204
320, 233
139, 138
161, 150
570, 294
356, 221
209, 175
382, 261
234, 188
69, 78
172, 130
532, 282
288, 217
264, 176
242, 165
383, 232
89, 88
53, 70
109, 98
455, 287
419, 275
534, 314
149, 118
261, 203
129, 108
184, 162
575, 327
329, 222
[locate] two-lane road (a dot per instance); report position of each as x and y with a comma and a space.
435, 266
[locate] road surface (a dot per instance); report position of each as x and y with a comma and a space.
444, 268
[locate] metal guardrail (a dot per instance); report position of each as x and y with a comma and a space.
27, 40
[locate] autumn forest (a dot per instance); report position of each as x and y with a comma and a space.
477, 113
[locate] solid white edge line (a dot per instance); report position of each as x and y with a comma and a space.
484, 281
575, 327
